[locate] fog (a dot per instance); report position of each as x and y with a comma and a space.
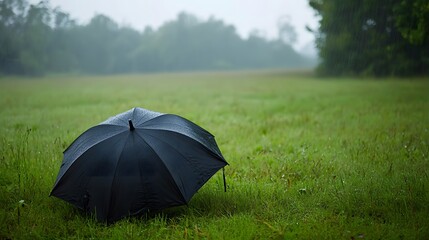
246, 15
108, 37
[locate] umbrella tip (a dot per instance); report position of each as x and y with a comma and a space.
131, 125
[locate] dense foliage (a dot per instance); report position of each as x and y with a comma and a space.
35, 39
379, 38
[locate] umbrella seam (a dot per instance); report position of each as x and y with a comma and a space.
88, 131
204, 181
144, 187
192, 166
74, 160
207, 148
144, 114
114, 177
162, 114
183, 197
182, 118
110, 124
113, 118
175, 124
134, 113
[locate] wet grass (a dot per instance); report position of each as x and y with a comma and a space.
309, 158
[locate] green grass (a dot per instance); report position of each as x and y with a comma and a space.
309, 158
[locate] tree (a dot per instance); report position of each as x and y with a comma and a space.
11, 20
62, 57
379, 38
286, 31
36, 39
412, 20
36, 33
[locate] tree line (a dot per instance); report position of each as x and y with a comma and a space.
36, 39
373, 38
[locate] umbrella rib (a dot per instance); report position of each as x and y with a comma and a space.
186, 127
181, 193
133, 116
175, 149
137, 121
116, 118
59, 178
92, 128
145, 122
110, 124
168, 145
196, 173
207, 148
114, 176
182, 118
98, 142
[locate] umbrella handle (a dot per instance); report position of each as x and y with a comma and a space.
224, 180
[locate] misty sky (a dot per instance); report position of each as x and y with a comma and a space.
245, 15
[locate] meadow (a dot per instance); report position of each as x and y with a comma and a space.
309, 158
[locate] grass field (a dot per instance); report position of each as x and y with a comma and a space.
309, 158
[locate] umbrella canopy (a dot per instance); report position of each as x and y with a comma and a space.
136, 161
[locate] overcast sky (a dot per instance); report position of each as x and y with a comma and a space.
245, 15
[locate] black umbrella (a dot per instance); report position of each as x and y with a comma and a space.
137, 161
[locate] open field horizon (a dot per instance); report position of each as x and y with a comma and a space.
309, 158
